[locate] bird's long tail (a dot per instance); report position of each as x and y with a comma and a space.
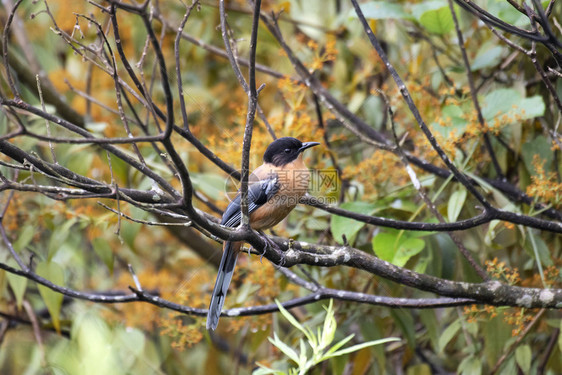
224, 276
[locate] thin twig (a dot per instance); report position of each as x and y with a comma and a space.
145, 222
474, 96
4, 235
252, 92
135, 277
36, 329
516, 343
53, 155
417, 185
548, 351
414, 110
5, 37
139, 295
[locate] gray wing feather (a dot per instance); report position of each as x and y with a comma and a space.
258, 194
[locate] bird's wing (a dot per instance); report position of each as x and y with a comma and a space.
258, 194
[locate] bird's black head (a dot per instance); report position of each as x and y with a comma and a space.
285, 150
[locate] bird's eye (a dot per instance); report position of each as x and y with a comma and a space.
287, 150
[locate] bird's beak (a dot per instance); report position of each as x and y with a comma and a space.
306, 145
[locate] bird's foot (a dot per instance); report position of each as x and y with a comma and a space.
269, 243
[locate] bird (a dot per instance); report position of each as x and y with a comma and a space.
274, 189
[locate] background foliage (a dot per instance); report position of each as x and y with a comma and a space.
512, 152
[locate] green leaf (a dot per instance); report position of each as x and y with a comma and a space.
329, 329
396, 247
456, 115
448, 334
487, 58
96, 127
292, 320
373, 110
94, 343
121, 171
508, 14
384, 245
103, 250
356, 101
523, 357
538, 146
212, 185
134, 341
25, 237
286, 349
530, 107
419, 9
496, 332
455, 204
455, 123
407, 249
302, 354
405, 321
470, 366
438, 21
344, 226
336, 346
54, 273
511, 103
59, 236
81, 164
17, 283
428, 317
491, 232
380, 10
498, 102
129, 231
536, 246
263, 370
364, 345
